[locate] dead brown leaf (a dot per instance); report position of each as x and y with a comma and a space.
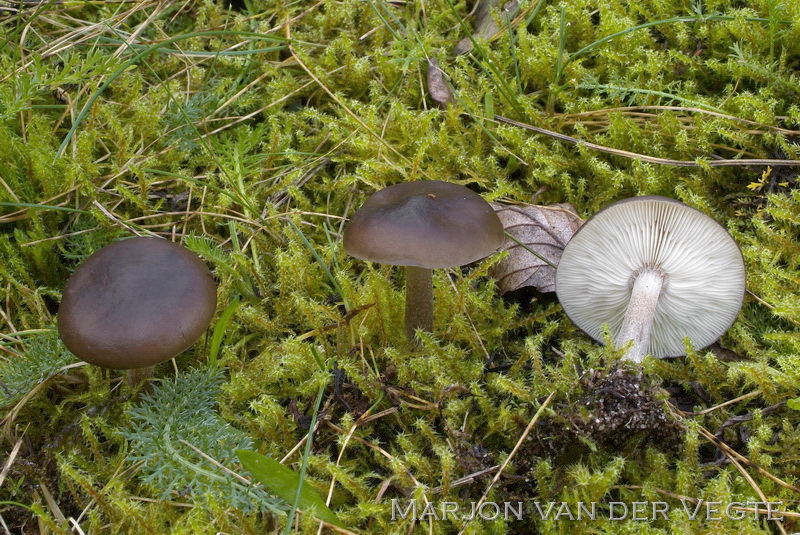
543, 229
485, 25
438, 87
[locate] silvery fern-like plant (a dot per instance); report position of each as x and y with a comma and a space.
45, 356
176, 415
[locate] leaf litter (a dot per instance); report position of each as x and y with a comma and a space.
544, 231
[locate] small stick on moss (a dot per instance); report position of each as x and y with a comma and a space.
466, 480
391, 458
725, 404
651, 159
510, 456
731, 453
735, 459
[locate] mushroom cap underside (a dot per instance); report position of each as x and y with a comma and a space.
703, 268
427, 223
135, 303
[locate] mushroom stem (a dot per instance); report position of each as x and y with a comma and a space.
419, 300
640, 313
136, 376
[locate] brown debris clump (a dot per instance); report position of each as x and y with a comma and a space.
619, 411
623, 407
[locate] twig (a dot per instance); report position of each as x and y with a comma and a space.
729, 402
630, 110
736, 459
682, 498
511, 456
733, 420
115, 219
644, 157
772, 307
460, 482
342, 104
363, 419
216, 463
12, 456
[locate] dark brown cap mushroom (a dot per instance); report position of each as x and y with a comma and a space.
423, 225
427, 223
136, 303
656, 271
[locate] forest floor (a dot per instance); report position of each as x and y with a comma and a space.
249, 131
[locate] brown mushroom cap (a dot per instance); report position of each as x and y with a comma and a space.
135, 303
427, 223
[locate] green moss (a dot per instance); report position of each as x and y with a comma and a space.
250, 162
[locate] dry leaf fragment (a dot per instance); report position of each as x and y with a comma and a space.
485, 25
438, 87
543, 229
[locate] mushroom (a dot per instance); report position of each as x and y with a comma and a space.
655, 271
423, 225
136, 303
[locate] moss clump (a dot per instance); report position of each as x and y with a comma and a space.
251, 153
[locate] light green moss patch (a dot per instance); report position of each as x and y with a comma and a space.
224, 141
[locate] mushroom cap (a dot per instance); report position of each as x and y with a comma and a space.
703, 267
135, 303
426, 223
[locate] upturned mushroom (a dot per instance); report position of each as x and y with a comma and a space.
423, 225
656, 271
136, 303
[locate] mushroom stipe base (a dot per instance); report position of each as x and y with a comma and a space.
419, 300
137, 376
638, 322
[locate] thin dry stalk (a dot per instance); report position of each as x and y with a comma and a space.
722, 162
349, 112
363, 419
388, 456
11, 458
697, 501
510, 456
736, 459
629, 109
725, 404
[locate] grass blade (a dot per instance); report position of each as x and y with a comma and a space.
688, 18
298, 495
85, 110
42, 207
219, 331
